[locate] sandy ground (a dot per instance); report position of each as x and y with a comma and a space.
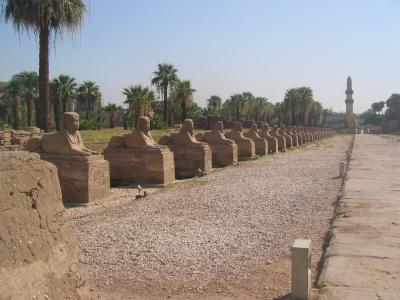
226, 235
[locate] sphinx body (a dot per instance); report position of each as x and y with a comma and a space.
246, 147
191, 156
224, 151
137, 157
261, 144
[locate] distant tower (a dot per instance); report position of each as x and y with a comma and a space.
350, 118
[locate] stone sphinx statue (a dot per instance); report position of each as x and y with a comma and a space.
246, 146
289, 132
67, 141
191, 156
281, 139
137, 157
300, 138
138, 138
224, 151
288, 138
261, 143
76, 164
272, 141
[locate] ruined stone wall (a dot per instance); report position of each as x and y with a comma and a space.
38, 255
10, 137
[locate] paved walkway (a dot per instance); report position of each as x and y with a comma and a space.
363, 258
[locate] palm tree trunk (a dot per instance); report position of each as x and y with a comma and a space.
44, 92
87, 108
15, 113
64, 105
29, 109
165, 90
37, 113
56, 116
183, 110
237, 113
112, 120
136, 113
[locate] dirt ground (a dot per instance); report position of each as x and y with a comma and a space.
226, 235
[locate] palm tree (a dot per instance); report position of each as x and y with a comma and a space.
89, 95
14, 92
214, 104
29, 81
125, 113
44, 18
139, 99
67, 88
184, 95
112, 109
237, 101
164, 78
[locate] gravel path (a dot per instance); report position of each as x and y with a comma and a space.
227, 234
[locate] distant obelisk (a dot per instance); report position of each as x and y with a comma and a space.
350, 118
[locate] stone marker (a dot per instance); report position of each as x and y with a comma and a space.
301, 269
264, 132
84, 175
341, 169
246, 147
136, 157
191, 156
261, 143
224, 151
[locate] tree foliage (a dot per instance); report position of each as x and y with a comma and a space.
44, 17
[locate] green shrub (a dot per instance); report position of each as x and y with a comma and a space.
157, 123
92, 124
4, 125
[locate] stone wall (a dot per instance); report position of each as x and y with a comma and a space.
10, 137
38, 255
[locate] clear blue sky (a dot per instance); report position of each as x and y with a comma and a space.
228, 46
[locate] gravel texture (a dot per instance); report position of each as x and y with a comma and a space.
227, 234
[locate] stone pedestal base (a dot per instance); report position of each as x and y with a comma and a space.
148, 166
246, 150
288, 140
190, 158
224, 154
83, 179
272, 145
261, 146
295, 140
281, 143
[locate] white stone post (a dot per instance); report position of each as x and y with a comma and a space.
341, 169
301, 269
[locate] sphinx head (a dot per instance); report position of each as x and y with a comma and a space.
266, 126
219, 126
70, 122
188, 125
237, 126
144, 124
254, 127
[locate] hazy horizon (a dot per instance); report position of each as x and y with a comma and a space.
228, 47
